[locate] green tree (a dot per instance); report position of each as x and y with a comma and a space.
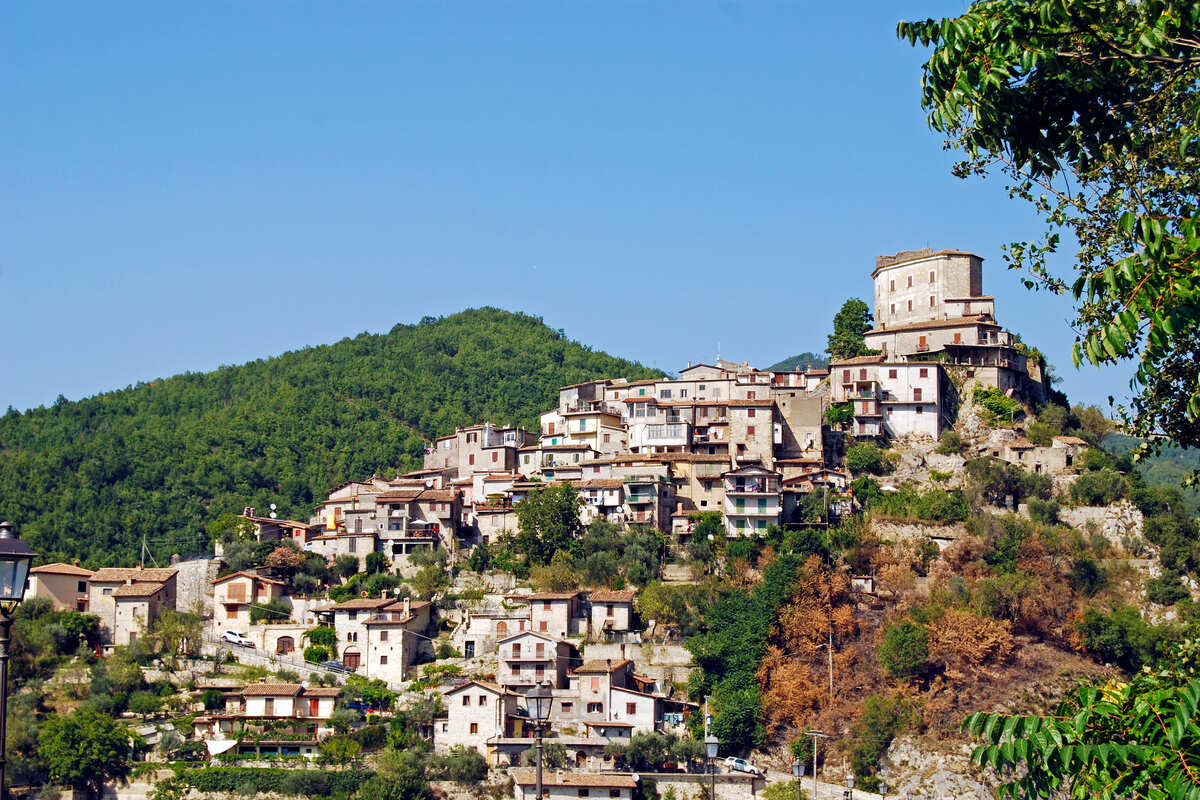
548, 522
85, 749
323, 635
377, 562
904, 651
1139, 739
461, 764
850, 324
868, 457
144, 703
346, 566
1089, 108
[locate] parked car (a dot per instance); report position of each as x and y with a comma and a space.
233, 637
741, 765
334, 666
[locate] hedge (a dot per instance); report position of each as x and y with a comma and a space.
260, 780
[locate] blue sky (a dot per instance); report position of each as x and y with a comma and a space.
190, 185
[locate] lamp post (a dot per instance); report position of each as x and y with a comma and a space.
798, 772
850, 791
15, 558
538, 702
711, 744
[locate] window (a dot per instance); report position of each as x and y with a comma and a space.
924, 373
665, 394
545, 605
495, 455
527, 459
357, 527
483, 701
891, 286
383, 661
749, 430
582, 425
466, 699
540, 649
469, 649
353, 545
567, 708
910, 305
846, 375
606, 438
269, 706
614, 792
916, 395
82, 586
596, 470
631, 708
595, 684
750, 395
474, 727
931, 274
471, 458
352, 615
910, 281
542, 626
516, 651
583, 792
702, 387
750, 413
609, 611
383, 636
920, 409
683, 393
893, 309
892, 374
862, 374
595, 708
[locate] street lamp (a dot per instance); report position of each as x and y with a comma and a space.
883, 789
798, 772
15, 558
711, 744
850, 791
538, 702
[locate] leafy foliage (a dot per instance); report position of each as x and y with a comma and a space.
850, 324
85, 749
1090, 110
800, 361
1139, 739
88, 479
548, 522
868, 457
904, 651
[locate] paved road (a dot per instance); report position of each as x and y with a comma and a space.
250, 655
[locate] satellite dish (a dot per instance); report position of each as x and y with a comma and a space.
272, 515
429, 483
273, 506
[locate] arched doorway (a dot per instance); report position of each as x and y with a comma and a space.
285, 644
502, 628
352, 659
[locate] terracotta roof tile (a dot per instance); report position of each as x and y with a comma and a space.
612, 596
59, 568
551, 777
144, 589
272, 689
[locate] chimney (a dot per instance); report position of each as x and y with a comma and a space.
175, 558
407, 606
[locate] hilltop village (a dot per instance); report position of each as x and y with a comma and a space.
419, 597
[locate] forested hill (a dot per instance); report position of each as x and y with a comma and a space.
88, 479
801, 361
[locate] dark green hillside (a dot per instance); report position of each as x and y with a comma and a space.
88, 479
1168, 468
816, 360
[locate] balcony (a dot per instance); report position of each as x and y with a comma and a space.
752, 488
922, 347
861, 394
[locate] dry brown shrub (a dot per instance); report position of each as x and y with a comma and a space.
962, 641
898, 578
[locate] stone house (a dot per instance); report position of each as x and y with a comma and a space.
752, 500
270, 719
611, 612
527, 659
570, 785
102, 588
476, 713
553, 614
64, 585
236, 594
393, 637
136, 607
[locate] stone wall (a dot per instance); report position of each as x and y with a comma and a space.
665, 663
194, 585
942, 535
1114, 522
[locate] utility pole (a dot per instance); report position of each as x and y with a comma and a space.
815, 734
